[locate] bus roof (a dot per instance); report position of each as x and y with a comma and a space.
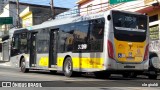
62, 21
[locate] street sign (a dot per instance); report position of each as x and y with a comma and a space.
118, 1
6, 20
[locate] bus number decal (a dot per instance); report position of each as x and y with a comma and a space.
82, 46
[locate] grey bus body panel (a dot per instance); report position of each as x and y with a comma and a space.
15, 60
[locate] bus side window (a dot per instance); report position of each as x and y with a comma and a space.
97, 34
81, 36
23, 42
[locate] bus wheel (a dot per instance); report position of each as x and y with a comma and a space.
23, 66
68, 67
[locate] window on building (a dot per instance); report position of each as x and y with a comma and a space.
153, 18
154, 32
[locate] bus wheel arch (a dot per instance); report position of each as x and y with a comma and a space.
23, 65
68, 66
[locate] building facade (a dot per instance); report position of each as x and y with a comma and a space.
34, 15
96, 6
10, 10
153, 11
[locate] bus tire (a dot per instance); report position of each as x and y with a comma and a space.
68, 67
23, 66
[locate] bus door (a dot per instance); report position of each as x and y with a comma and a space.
53, 47
33, 49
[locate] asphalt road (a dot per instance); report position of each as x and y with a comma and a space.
86, 82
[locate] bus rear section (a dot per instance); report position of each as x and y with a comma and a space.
128, 44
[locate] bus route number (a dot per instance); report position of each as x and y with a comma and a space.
130, 19
82, 46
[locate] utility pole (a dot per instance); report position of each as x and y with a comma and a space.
52, 9
18, 18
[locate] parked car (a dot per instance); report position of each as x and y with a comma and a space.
154, 65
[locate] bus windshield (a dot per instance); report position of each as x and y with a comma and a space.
129, 22
129, 27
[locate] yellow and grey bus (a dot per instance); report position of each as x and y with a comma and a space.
103, 43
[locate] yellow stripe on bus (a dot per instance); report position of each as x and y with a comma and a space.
43, 61
97, 63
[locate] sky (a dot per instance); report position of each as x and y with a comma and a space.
58, 3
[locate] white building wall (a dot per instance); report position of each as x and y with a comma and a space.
93, 9
128, 6
5, 11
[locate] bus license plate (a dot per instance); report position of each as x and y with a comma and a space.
130, 58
